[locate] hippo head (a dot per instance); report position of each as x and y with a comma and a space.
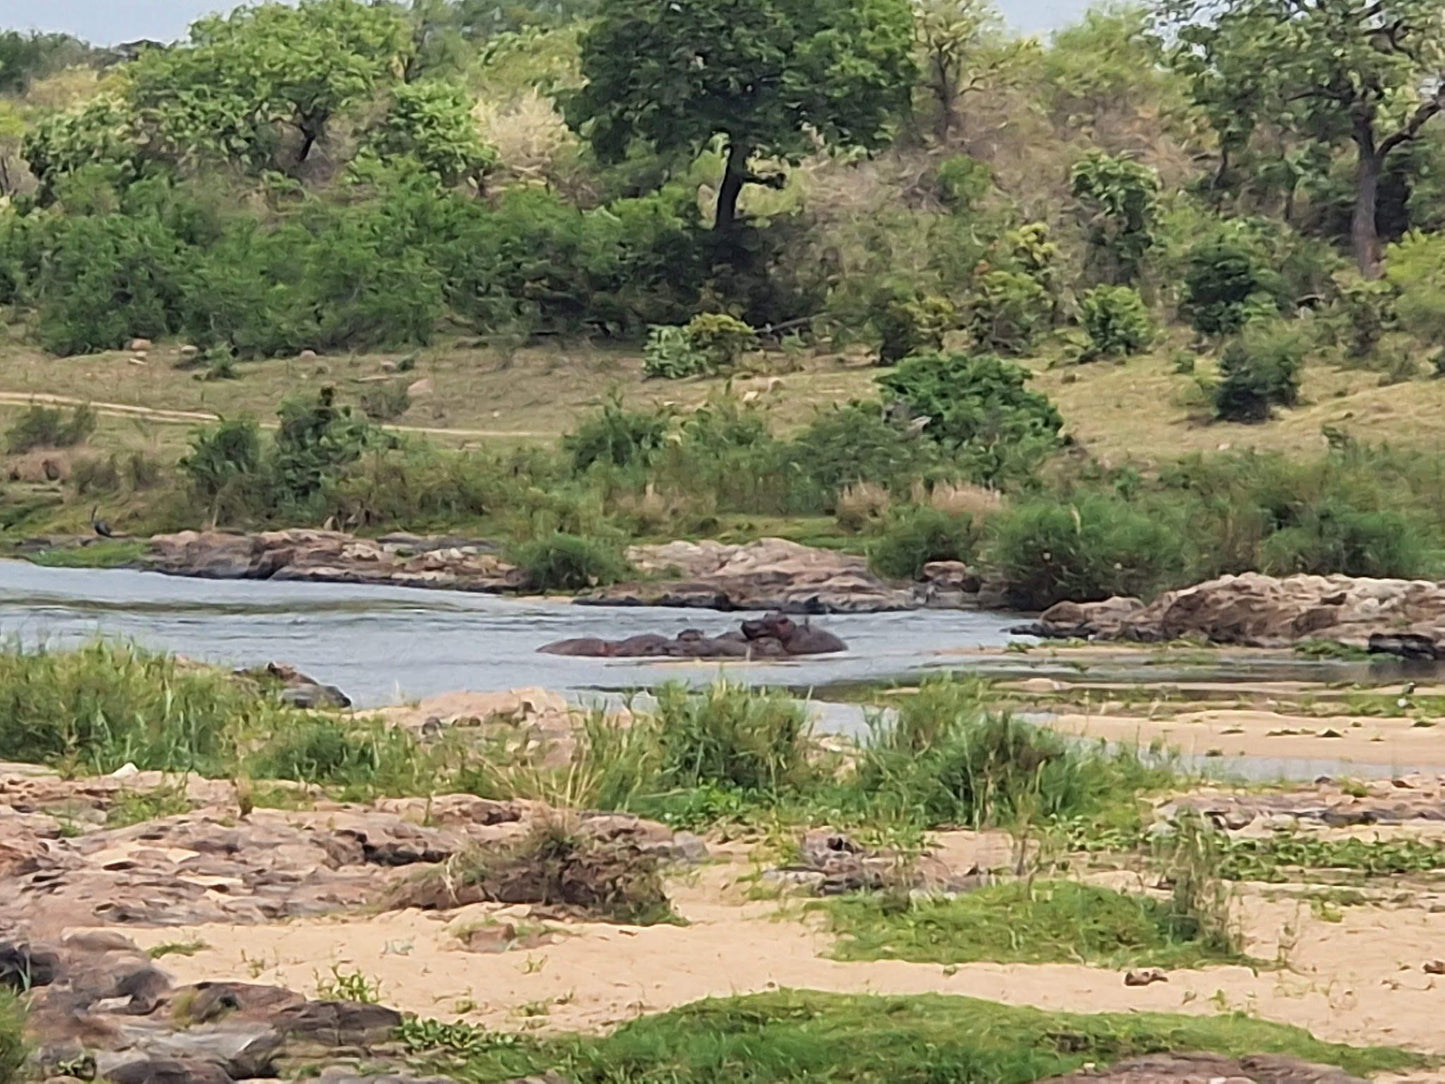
774, 626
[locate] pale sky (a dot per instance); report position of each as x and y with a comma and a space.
106, 22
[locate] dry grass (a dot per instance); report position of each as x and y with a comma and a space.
958, 499
1144, 411
861, 504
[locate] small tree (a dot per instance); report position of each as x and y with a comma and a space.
769, 77
432, 123
1117, 199
963, 50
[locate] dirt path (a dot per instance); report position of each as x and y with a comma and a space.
192, 417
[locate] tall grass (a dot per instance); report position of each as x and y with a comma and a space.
945, 758
732, 736
13, 1048
106, 704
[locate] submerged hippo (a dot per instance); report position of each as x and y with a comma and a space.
773, 636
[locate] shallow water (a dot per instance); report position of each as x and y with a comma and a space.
388, 644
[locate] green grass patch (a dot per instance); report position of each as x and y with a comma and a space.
109, 554
1039, 923
176, 948
136, 806
1273, 857
801, 1036
13, 1049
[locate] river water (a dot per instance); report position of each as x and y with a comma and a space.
384, 645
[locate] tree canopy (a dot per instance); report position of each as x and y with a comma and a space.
771, 77
1367, 72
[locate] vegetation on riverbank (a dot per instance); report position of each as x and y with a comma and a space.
806, 1036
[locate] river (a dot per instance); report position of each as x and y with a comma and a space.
385, 645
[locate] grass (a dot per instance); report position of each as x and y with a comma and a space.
1272, 858
109, 554
13, 1047
802, 1037
176, 948
137, 806
1033, 923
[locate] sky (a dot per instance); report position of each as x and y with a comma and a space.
106, 22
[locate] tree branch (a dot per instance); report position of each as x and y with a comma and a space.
1421, 117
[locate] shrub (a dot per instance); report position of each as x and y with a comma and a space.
845, 445
980, 409
911, 325
962, 182
1415, 267
1116, 320
96, 475
915, 535
1007, 311
224, 466
49, 427
1226, 281
1363, 312
333, 752
1090, 549
721, 339
616, 436
315, 441
568, 562
1334, 537
860, 504
1117, 198
1259, 370
734, 736
386, 401
671, 354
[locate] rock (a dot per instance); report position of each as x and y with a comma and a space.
189, 352
773, 636
1398, 617
125, 771
418, 389
138, 345
307, 355
770, 574
1144, 977
331, 557
1434, 967
952, 576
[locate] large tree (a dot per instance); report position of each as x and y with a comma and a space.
964, 50
769, 77
1366, 72
263, 84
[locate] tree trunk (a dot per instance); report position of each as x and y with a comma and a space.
734, 177
1364, 230
947, 96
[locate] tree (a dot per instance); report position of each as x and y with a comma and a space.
246, 81
101, 134
432, 123
1366, 72
770, 77
1117, 198
26, 57
962, 49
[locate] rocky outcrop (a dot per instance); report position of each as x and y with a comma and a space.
332, 557
1398, 617
210, 865
770, 574
774, 636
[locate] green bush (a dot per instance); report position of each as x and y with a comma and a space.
315, 442
1259, 370
224, 467
568, 562
49, 427
978, 408
1117, 321
670, 354
1118, 201
946, 759
1226, 281
1008, 311
385, 402
1363, 311
914, 536
616, 436
1333, 537
1415, 267
911, 325
1098, 546
721, 339
844, 445
331, 752
962, 182
733, 736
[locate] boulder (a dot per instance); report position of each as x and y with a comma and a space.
770, 574
1397, 617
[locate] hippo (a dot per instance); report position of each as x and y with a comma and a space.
772, 637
